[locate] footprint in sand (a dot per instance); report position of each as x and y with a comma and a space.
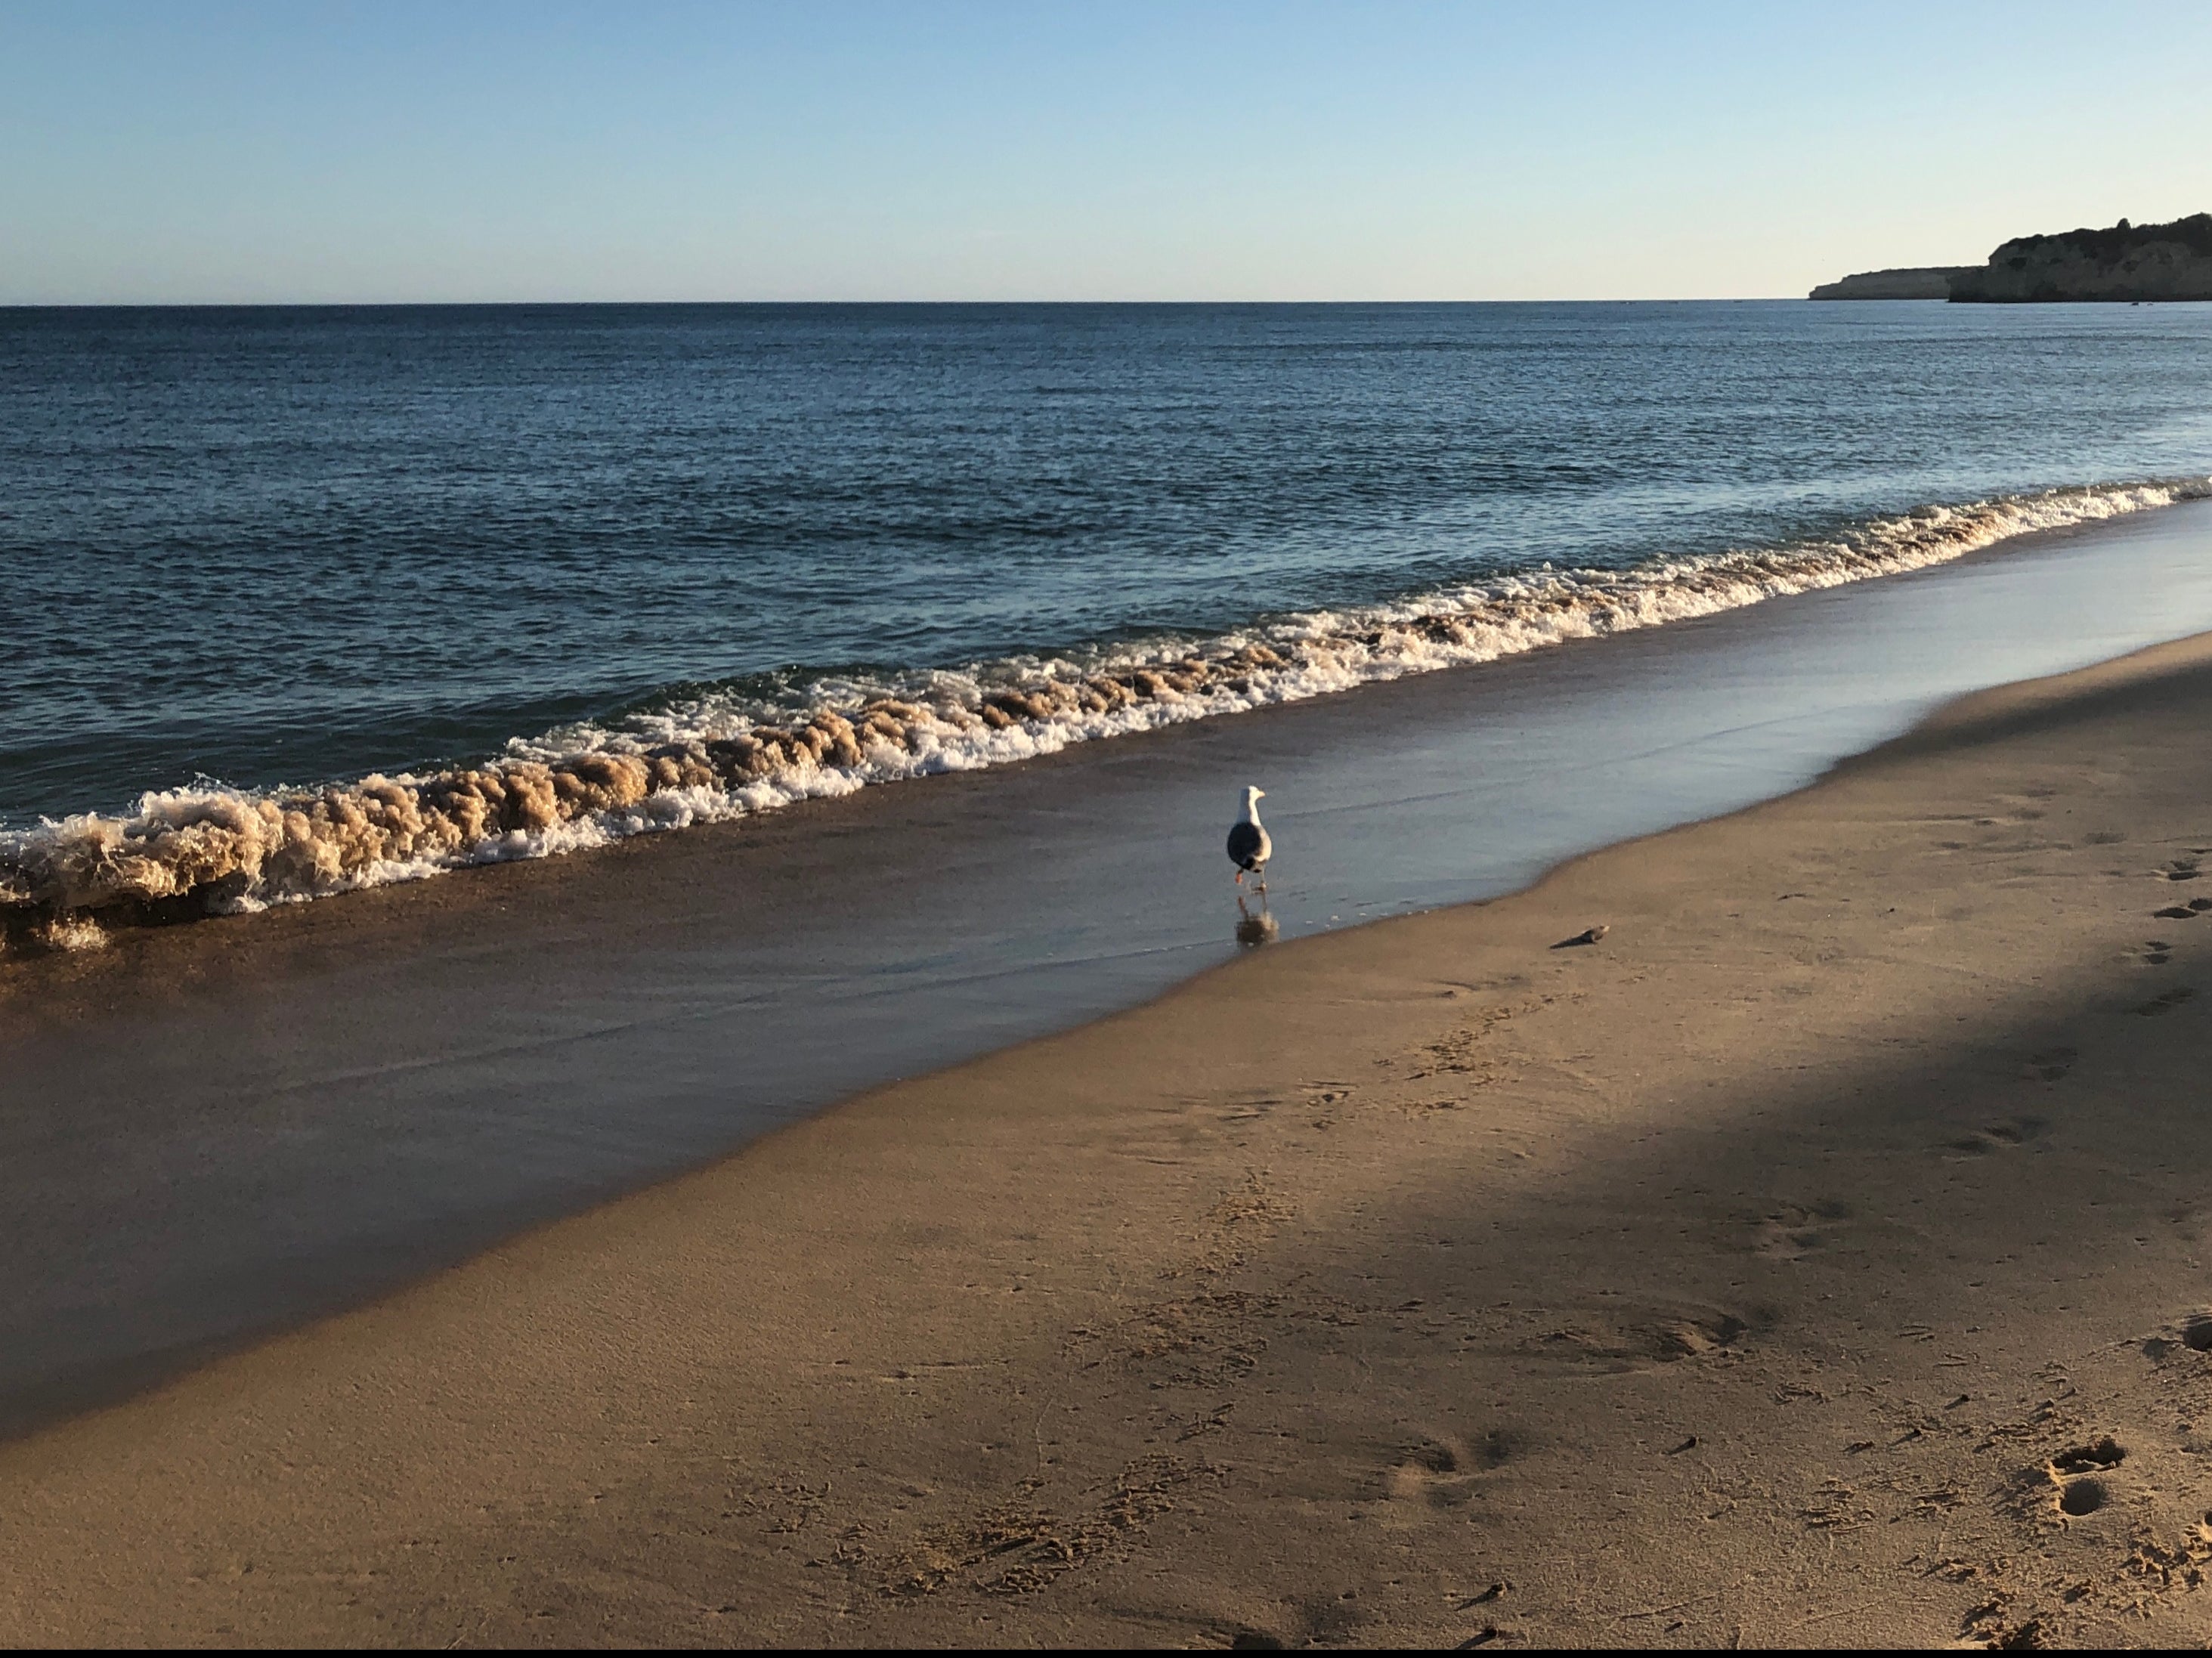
1620, 1340
2050, 1064
2103, 1454
1794, 1230
2166, 1002
1444, 1471
2079, 1496
2195, 1334
1998, 1137
2077, 1480
2157, 952
2076, 1475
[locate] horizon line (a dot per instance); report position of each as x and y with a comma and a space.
399, 305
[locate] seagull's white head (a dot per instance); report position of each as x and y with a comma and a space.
1253, 796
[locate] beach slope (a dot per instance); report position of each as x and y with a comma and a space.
1815, 1258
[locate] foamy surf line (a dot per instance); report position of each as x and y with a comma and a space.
722, 754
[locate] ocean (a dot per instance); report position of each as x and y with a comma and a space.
301, 600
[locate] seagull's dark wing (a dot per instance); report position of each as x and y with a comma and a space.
1244, 845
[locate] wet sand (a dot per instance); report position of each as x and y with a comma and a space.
211, 1134
1815, 1259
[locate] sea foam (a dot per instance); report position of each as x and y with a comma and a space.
719, 755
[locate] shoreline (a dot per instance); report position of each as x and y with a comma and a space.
197, 853
216, 1133
1395, 1285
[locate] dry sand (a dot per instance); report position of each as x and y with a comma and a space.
1812, 1259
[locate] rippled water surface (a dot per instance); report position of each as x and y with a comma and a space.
288, 548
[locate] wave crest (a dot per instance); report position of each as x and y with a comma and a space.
721, 755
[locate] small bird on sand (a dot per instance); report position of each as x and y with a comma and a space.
1248, 846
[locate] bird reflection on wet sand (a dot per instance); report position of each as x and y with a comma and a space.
1254, 927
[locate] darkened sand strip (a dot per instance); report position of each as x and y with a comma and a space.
211, 1133
1817, 1258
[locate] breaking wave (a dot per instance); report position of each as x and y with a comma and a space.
723, 753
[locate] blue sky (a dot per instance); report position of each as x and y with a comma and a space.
829, 150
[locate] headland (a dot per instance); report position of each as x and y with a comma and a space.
2123, 264
1917, 282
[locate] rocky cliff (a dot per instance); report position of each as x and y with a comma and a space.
2127, 262
1920, 282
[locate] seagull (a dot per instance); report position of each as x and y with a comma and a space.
1248, 846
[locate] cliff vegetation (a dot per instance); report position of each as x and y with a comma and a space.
2127, 262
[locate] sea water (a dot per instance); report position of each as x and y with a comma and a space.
299, 600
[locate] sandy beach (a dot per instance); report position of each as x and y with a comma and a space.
1812, 1259
211, 1134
